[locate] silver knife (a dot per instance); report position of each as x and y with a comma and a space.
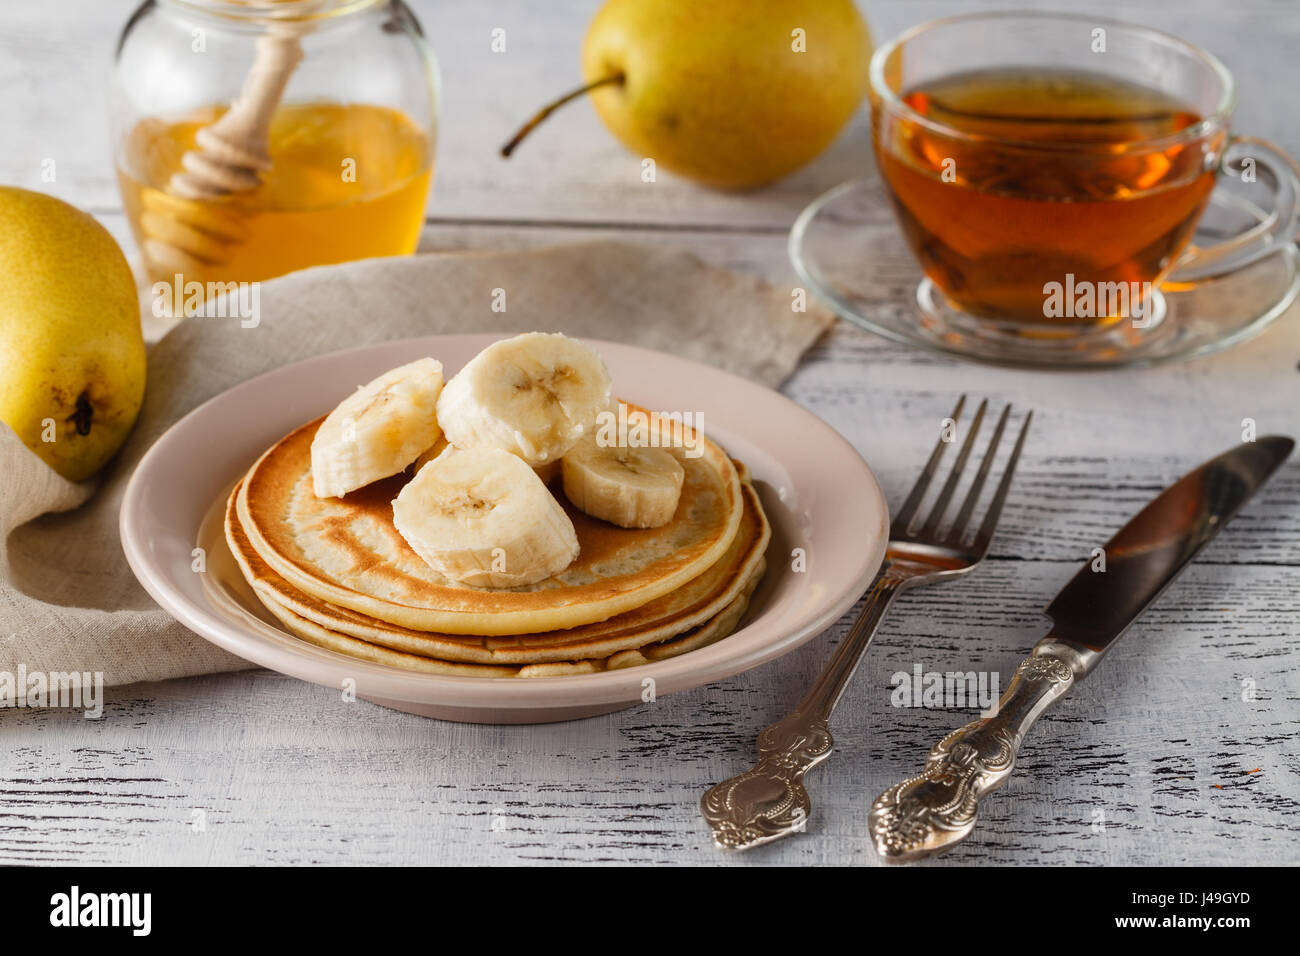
938, 809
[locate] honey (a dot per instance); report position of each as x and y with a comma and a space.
347, 181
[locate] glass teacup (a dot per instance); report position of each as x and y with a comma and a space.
1048, 171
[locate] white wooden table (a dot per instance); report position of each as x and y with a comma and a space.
1164, 756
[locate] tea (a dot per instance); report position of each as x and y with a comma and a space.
348, 181
1049, 177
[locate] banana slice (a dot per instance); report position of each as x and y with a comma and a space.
482, 517
630, 487
533, 395
547, 472
377, 430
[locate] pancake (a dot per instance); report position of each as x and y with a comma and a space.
699, 600
712, 630
346, 552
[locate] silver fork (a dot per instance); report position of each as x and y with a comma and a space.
769, 801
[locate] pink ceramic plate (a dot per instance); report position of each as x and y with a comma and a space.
818, 492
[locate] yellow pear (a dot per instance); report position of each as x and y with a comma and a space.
72, 356
729, 93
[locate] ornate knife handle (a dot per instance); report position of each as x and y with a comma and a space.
938, 809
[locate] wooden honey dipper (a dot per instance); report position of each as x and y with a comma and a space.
185, 231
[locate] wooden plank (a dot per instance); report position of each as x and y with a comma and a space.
58, 107
1167, 708
1160, 742
1183, 742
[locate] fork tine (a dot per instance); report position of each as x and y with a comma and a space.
905, 513
985, 535
949, 486
977, 486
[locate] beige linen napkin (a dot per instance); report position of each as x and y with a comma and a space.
68, 601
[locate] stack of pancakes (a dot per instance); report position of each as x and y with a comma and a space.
335, 572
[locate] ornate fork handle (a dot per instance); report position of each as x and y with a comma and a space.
937, 809
769, 801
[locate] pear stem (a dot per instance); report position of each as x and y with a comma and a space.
546, 111
84, 414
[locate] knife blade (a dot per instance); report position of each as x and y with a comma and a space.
937, 809
1095, 608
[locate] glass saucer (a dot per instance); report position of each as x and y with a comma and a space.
847, 248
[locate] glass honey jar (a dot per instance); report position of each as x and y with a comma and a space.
257, 137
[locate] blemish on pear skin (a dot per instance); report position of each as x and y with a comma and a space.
60, 398
83, 415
